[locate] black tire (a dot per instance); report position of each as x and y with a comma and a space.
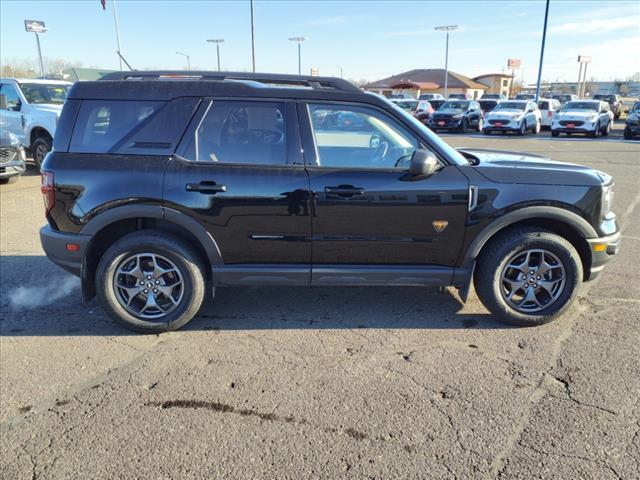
463, 126
9, 180
523, 128
627, 135
555, 133
39, 149
183, 256
606, 130
595, 132
505, 246
486, 132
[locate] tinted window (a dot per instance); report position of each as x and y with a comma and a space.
543, 105
239, 132
11, 94
349, 136
131, 127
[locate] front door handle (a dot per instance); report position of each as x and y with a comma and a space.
206, 187
344, 190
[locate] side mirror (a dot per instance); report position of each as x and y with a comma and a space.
424, 163
3, 102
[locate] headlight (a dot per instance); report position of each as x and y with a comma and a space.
516, 118
606, 208
592, 118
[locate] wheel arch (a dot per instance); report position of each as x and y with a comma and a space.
568, 225
36, 132
110, 226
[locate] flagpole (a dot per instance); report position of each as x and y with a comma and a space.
115, 18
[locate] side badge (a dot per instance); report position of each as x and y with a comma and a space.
439, 225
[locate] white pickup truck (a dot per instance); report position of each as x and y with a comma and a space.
30, 109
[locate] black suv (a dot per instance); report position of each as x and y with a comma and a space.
458, 116
161, 184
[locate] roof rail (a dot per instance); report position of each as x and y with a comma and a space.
318, 83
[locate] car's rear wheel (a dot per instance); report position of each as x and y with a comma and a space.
606, 130
627, 135
528, 276
151, 282
39, 149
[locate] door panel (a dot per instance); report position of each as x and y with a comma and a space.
368, 210
239, 173
11, 118
261, 215
388, 219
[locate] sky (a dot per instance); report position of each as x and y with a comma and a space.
368, 39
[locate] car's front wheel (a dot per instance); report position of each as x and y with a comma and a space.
523, 128
606, 130
555, 133
151, 282
537, 127
528, 276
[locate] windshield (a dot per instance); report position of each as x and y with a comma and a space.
455, 105
510, 106
423, 105
44, 93
407, 104
434, 139
580, 106
487, 104
436, 103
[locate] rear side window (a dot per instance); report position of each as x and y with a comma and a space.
543, 105
131, 127
239, 132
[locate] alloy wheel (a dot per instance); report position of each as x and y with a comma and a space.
532, 280
148, 285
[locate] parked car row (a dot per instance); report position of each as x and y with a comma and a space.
590, 117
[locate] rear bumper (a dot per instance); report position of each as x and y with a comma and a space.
55, 246
602, 250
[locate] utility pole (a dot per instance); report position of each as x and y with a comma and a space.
253, 42
115, 19
188, 59
447, 28
544, 38
37, 27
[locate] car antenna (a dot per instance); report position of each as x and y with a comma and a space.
125, 61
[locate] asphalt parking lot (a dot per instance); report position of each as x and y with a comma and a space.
324, 382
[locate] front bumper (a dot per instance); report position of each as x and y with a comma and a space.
602, 250
447, 124
12, 168
55, 245
505, 126
632, 128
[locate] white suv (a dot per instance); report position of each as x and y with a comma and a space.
30, 110
513, 116
591, 117
548, 108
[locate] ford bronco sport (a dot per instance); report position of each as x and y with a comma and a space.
162, 183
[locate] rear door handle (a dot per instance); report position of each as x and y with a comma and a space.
206, 187
344, 190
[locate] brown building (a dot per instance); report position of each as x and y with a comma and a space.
415, 82
496, 82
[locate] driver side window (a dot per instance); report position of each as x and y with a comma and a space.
349, 136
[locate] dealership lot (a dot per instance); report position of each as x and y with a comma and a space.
324, 382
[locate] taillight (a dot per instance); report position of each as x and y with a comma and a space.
47, 189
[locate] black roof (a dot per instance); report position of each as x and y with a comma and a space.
166, 85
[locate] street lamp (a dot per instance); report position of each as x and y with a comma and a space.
217, 41
447, 28
188, 59
299, 41
340, 68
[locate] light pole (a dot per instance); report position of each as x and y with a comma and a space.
544, 38
340, 68
188, 59
447, 28
253, 42
299, 41
217, 41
